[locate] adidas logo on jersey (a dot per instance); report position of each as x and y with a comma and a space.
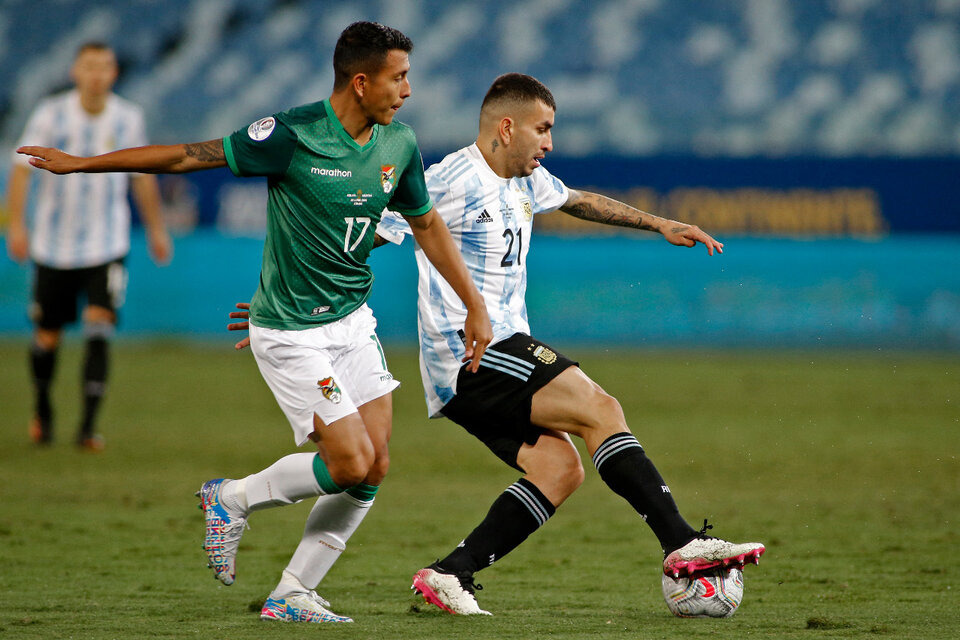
484, 217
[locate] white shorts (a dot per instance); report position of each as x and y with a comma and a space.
329, 370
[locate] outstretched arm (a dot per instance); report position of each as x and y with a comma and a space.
174, 158
598, 208
434, 238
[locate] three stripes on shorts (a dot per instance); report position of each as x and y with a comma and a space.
508, 364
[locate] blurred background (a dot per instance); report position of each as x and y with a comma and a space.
819, 140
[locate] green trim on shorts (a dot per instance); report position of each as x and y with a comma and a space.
383, 358
363, 492
327, 485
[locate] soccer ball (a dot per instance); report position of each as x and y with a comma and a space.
712, 594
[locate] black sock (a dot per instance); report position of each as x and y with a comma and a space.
519, 511
42, 365
627, 470
94, 382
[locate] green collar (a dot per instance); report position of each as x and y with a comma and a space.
343, 132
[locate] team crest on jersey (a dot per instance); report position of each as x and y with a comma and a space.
541, 353
388, 177
261, 129
527, 209
330, 390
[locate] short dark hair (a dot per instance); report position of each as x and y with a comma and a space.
92, 45
363, 47
517, 88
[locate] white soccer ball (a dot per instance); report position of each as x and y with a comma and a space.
712, 594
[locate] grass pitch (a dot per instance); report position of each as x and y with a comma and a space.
844, 464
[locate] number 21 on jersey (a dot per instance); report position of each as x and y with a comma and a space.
508, 238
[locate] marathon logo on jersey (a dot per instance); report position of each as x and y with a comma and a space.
484, 217
261, 129
388, 177
331, 173
527, 209
359, 198
330, 390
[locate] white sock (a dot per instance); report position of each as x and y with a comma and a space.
289, 584
233, 496
288, 480
330, 524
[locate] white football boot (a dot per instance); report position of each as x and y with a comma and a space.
451, 593
224, 529
300, 607
706, 552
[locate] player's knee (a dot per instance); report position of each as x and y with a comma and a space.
351, 470
99, 315
47, 339
353, 467
558, 474
603, 411
378, 470
570, 475
611, 407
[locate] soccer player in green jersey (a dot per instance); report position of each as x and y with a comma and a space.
332, 168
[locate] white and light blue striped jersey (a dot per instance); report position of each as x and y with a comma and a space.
490, 219
81, 219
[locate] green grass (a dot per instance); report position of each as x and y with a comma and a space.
845, 464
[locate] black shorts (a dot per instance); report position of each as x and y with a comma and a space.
493, 404
57, 292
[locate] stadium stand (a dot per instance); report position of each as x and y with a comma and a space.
835, 78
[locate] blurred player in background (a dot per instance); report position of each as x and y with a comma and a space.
527, 399
80, 234
333, 167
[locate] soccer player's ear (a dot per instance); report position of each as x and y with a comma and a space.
506, 130
359, 84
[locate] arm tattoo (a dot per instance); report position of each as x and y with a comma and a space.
597, 208
210, 151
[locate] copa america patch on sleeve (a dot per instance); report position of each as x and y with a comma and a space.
261, 129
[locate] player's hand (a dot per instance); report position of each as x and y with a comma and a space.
52, 160
688, 235
477, 334
243, 314
161, 247
18, 243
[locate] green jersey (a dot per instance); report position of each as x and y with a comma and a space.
325, 195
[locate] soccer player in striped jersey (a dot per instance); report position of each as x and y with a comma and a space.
81, 230
333, 167
527, 399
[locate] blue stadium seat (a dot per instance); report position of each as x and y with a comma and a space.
632, 77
